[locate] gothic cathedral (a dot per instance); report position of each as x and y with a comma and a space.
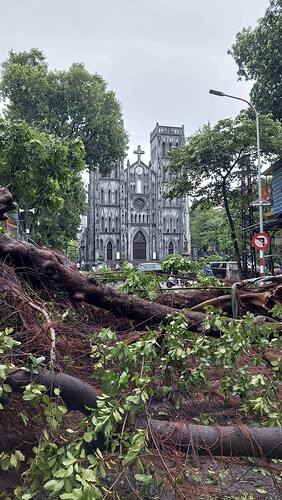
129, 218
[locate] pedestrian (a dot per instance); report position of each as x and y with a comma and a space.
207, 270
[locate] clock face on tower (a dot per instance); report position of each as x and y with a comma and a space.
139, 170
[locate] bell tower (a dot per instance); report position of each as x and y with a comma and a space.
170, 214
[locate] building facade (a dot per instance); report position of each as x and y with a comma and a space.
129, 217
273, 213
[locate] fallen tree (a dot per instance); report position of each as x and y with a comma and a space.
45, 267
190, 297
258, 301
100, 336
244, 441
220, 441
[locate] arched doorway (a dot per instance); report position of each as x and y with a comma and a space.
170, 248
139, 246
109, 251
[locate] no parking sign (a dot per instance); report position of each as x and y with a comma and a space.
261, 241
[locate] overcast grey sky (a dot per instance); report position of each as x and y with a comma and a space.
160, 56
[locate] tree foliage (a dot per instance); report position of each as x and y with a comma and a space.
43, 172
71, 104
213, 162
257, 52
210, 231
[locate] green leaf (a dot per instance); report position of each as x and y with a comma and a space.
13, 460
60, 473
54, 485
261, 490
88, 437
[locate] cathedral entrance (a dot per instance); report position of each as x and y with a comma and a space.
139, 246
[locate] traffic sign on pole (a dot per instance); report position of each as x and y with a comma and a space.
261, 241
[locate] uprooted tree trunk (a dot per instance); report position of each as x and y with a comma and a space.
45, 267
189, 298
255, 301
223, 441
190, 438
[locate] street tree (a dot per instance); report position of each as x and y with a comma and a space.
70, 104
212, 164
210, 231
257, 52
43, 173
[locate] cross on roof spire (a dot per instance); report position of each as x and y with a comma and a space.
138, 152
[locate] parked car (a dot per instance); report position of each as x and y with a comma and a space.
150, 267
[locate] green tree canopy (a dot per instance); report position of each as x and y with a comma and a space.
210, 231
258, 54
213, 162
70, 104
43, 173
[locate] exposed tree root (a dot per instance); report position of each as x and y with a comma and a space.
47, 267
51, 330
225, 441
194, 439
189, 298
77, 395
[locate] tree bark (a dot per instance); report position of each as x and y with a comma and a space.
220, 441
232, 230
6, 202
45, 267
189, 297
194, 439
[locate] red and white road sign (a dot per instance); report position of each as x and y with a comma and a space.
261, 241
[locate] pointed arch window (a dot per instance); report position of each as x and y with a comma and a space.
116, 197
170, 248
103, 224
109, 251
163, 149
109, 196
102, 197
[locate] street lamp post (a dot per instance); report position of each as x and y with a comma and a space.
260, 204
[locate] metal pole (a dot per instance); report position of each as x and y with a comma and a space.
261, 252
188, 228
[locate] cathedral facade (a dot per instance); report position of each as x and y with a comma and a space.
129, 218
